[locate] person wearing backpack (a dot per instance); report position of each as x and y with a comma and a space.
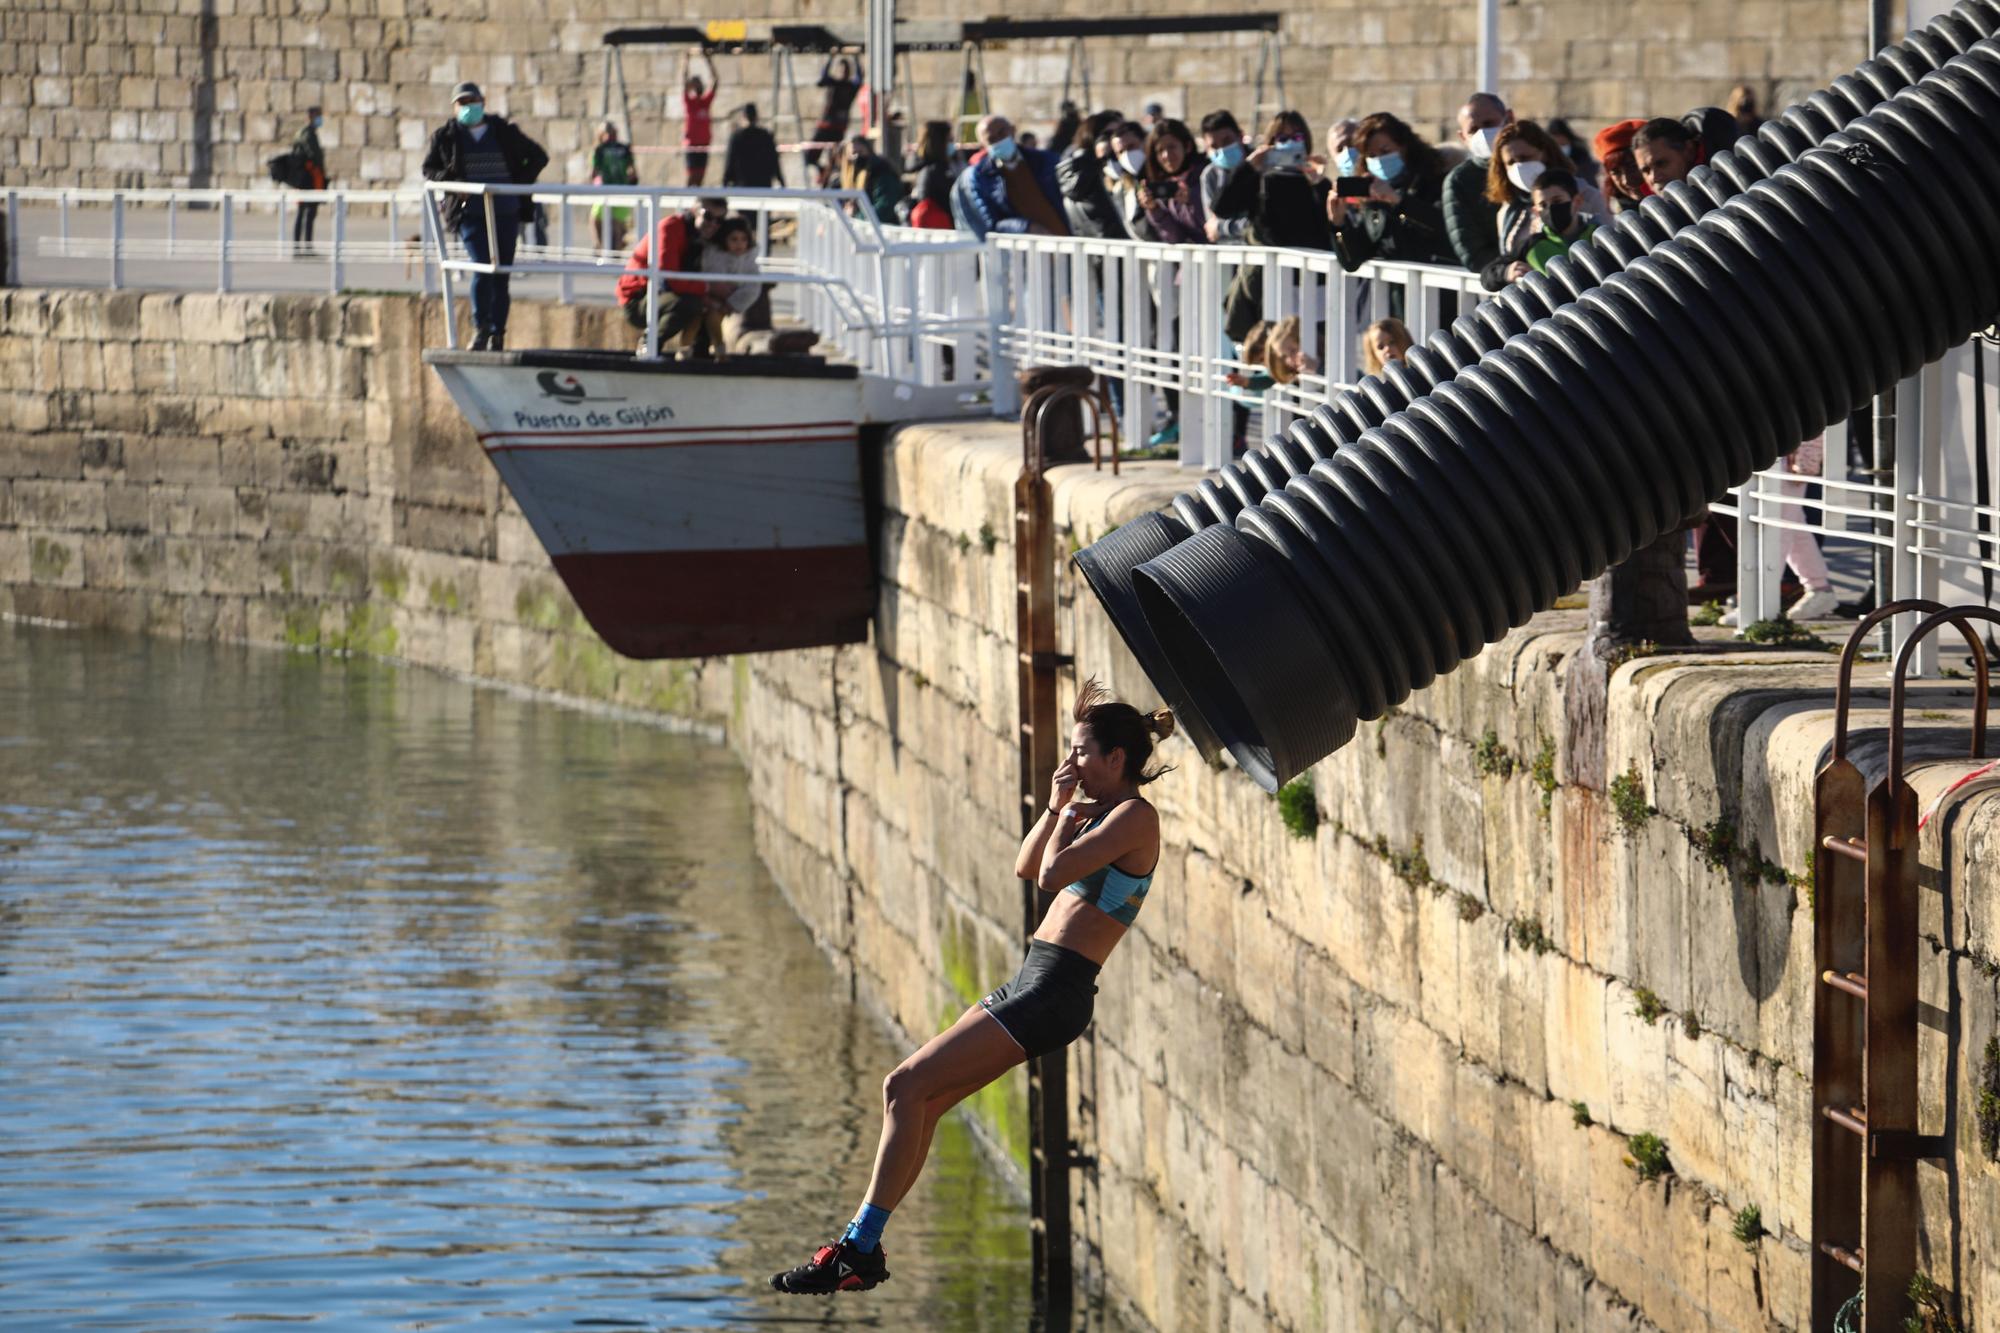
308, 173
474, 146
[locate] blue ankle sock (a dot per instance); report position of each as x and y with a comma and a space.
866, 1228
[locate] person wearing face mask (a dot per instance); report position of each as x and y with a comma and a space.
1280, 191
1561, 221
1470, 218
475, 146
1581, 164
1081, 174
1521, 153
1402, 217
1008, 188
311, 175
1170, 185
1223, 138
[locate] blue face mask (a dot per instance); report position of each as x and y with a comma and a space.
1349, 161
472, 113
318, 121
1228, 157
1005, 151
1387, 167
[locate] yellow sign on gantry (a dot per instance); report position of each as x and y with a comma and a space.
727, 30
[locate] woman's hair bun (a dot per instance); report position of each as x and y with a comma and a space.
1161, 722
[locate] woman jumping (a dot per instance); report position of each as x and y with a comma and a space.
1098, 842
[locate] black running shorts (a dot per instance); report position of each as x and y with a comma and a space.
1048, 1003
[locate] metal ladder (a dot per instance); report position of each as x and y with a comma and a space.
1866, 1143
1051, 1153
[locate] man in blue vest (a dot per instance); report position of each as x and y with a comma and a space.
475, 146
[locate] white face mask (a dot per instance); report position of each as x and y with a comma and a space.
1525, 174
1480, 145
1133, 160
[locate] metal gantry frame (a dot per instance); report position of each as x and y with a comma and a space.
1866, 1137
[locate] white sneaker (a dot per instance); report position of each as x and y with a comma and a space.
1816, 605
1730, 617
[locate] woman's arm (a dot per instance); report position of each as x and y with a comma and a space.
1062, 792
1069, 856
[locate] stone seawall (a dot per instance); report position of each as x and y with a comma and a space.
1379, 1069
283, 469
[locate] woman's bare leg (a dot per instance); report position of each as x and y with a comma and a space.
956, 1063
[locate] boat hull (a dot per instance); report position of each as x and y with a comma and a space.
691, 509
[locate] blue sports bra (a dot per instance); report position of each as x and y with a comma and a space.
1112, 891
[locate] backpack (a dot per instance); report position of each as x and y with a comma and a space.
287, 167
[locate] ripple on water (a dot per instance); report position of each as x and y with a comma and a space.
339, 994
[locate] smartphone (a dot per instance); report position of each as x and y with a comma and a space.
1285, 155
1165, 188
1353, 187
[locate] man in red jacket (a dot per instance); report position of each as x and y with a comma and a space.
677, 241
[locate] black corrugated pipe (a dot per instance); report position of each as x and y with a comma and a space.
1458, 518
1108, 564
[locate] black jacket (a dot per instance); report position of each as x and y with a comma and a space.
1285, 208
1091, 209
525, 159
751, 160
1411, 231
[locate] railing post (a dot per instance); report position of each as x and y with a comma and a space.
565, 285
228, 207
117, 241
338, 277
1906, 477
172, 212
430, 245
62, 222
1005, 390
13, 238
652, 277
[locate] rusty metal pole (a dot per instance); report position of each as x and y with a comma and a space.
1041, 741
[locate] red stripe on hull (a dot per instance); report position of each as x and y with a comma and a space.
649, 604
732, 441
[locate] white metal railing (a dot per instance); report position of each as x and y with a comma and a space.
899, 303
925, 313
1929, 529
1151, 318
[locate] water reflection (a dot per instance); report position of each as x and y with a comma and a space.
336, 993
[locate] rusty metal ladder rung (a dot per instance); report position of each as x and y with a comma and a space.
1865, 1139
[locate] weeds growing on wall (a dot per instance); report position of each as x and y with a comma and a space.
1783, 633
1647, 1007
1492, 758
1988, 1106
1579, 1115
1928, 1312
1543, 771
1525, 932
1628, 800
1647, 1153
1298, 806
1749, 1225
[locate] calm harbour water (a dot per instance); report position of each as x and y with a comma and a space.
359, 997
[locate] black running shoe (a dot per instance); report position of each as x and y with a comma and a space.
837, 1266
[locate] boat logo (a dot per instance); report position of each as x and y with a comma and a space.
568, 389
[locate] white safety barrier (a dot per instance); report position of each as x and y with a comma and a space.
942, 322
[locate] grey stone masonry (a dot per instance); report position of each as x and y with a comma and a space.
202, 92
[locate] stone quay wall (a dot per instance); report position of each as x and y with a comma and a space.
283, 469
1385, 1075
202, 92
